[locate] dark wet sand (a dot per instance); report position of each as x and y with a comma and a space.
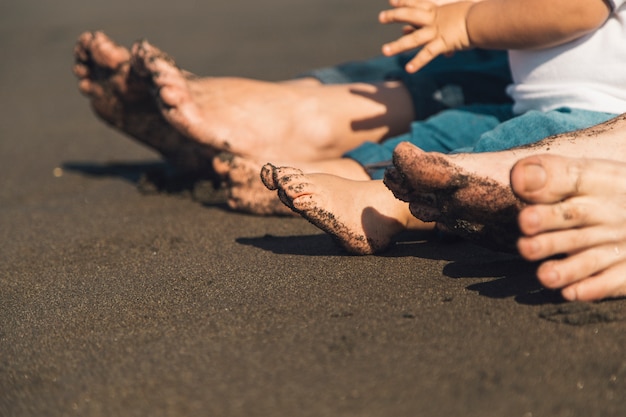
117, 303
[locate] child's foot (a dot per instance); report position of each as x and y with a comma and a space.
246, 192
472, 204
362, 216
577, 210
122, 99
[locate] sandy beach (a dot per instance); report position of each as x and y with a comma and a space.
116, 300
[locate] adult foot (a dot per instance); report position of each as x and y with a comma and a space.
474, 204
363, 223
122, 99
235, 115
246, 192
576, 209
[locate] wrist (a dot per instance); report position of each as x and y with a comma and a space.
466, 39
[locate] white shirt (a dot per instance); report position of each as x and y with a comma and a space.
587, 73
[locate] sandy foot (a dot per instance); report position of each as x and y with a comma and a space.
464, 203
246, 192
122, 99
322, 199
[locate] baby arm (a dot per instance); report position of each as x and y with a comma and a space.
443, 27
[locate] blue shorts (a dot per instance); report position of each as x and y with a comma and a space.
467, 77
477, 128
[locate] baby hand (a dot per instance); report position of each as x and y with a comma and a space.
437, 29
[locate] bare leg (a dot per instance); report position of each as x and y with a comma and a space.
121, 98
288, 121
362, 216
577, 210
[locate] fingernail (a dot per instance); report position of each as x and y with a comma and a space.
535, 177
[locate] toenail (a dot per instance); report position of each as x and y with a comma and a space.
532, 220
569, 293
535, 177
534, 246
550, 278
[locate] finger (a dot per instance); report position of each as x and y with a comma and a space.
579, 266
412, 16
408, 29
551, 178
414, 4
429, 52
408, 42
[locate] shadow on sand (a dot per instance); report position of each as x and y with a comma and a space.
155, 177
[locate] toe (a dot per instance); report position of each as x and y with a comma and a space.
107, 53
610, 283
550, 178
84, 40
222, 164
404, 153
172, 83
138, 57
86, 87
287, 177
80, 70
304, 202
268, 177
394, 180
